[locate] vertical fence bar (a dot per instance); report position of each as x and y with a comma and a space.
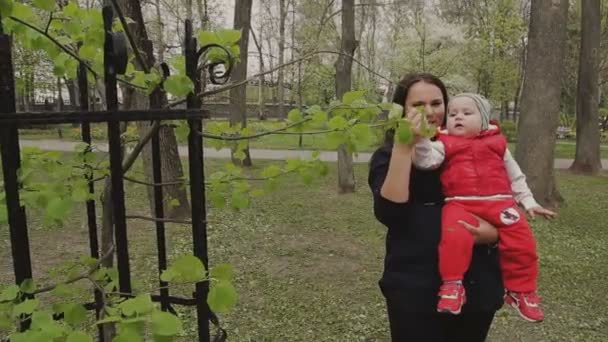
116, 171
197, 186
159, 211
85, 129
11, 162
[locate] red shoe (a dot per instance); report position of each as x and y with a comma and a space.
451, 298
527, 305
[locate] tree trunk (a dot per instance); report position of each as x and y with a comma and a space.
522, 74
261, 100
238, 95
540, 103
281, 85
346, 171
160, 40
587, 159
171, 163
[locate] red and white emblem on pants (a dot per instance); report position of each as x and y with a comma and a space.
509, 216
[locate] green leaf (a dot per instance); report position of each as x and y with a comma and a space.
240, 155
63, 291
80, 191
229, 37
9, 293
139, 305
58, 208
294, 115
178, 85
186, 268
208, 37
75, 314
88, 51
222, 297
128, 335
165, 324
23, 12
47, 5
78, 336
361, 134
26, 307
319, 118
217, 199
109, 319
178, 63
168, 275
386, 105
271, 171
222, 272
173, 203
404, 132
338, 123
396, 111
27, 286
182, 130
351, 96
72, 10
239, 200
6, 7
31, 336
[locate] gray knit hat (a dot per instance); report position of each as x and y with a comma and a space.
484, 106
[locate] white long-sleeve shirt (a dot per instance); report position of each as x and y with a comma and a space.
429, 155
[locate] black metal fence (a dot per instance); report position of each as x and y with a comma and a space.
11, 122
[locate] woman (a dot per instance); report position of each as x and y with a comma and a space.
408, 202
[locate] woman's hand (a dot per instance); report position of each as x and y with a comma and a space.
415, 119
546, 213
484, 233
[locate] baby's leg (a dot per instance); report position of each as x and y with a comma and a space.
517, 250
456, 245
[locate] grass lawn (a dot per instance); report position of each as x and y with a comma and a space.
563, 149
307, 262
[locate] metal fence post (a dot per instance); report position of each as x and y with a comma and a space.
197, 186
11, 162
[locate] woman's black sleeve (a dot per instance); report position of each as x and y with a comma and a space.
386, 211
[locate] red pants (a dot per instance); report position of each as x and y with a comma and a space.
516, 245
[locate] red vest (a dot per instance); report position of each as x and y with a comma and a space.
475, 166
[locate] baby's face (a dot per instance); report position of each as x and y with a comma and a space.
464, 119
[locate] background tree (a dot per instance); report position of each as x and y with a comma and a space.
346, 171
541, 98
587, 158
238, 95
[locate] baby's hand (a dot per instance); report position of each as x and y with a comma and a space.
546, 213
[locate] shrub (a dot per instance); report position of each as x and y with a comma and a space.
509, 129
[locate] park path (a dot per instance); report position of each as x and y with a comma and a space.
330, 156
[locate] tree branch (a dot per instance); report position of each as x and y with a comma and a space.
252, 78
61, 46
253, 136
86, 275
70, 52
157, 219
130, 159
48, 24
136, 181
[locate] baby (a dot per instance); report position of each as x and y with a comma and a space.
480, 177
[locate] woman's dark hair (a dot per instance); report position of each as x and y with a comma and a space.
402, 90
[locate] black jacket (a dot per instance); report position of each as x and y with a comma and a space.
411, 276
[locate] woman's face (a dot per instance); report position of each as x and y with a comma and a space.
427, 95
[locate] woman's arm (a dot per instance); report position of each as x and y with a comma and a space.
397, 182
